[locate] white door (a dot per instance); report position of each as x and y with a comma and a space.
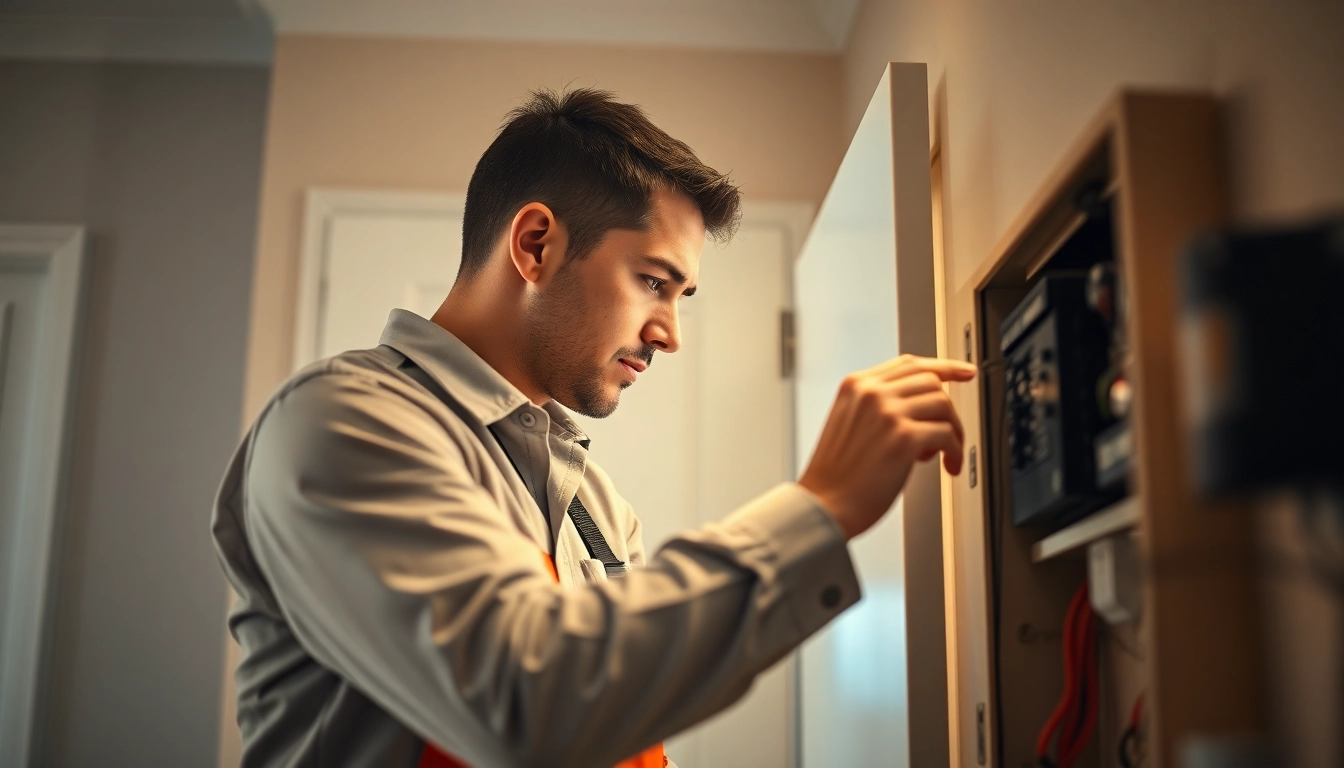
366, 253
874, 683
40, 282
704, 430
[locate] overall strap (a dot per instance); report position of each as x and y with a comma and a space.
593, 541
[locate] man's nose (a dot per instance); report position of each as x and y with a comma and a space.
664, 332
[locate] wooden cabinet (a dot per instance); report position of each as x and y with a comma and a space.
1157, 160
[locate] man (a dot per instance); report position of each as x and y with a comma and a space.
391, 520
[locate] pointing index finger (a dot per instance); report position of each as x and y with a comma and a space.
946, 370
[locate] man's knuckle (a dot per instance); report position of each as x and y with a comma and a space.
901, 440
892, 417
870, 396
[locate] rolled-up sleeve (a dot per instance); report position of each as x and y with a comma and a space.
400, 573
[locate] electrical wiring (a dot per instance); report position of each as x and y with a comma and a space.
1080, 733
1066, 702
1130, 748
1074, 719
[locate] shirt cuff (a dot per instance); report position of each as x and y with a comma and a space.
805, 553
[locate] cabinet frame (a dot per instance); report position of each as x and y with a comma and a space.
1161, 155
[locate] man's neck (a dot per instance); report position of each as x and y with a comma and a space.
492, 332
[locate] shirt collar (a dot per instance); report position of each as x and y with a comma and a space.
480, 389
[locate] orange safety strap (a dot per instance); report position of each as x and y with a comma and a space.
653, 757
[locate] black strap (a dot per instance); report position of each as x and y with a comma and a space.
592, 538
593, 541
588, 531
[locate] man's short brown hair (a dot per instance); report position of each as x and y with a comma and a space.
596, 163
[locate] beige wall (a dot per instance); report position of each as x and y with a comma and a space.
416, 114
1020, 79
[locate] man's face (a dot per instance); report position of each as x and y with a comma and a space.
595, 326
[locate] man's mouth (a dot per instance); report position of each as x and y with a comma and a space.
632, 368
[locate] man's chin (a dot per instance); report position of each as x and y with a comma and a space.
598, 411
594, 405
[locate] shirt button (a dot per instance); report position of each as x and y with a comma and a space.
830, 597
527, 419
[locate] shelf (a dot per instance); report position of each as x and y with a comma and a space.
1120, 516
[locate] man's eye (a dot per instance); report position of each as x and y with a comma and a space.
655, 284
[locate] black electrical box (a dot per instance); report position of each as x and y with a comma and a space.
1056, 356
1263, 347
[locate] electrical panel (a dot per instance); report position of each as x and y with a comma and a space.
1054, 351
1066, 398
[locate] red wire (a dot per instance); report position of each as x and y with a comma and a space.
1136, 714
1069, 753
1043, 741
1067, 699
1078, 709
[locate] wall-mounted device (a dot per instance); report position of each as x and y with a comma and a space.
1056, 352
1263, 337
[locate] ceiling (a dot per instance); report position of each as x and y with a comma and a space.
142, 9
241, 30
794, 25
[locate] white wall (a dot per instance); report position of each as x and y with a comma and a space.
162, 163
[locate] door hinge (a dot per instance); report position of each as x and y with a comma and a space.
980, 733
788, 344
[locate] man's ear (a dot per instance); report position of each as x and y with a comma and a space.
536, 242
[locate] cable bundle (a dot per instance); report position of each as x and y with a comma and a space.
1075, 717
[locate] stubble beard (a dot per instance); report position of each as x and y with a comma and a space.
555, 350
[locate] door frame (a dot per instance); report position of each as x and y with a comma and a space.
796, 220
322, 207
58, 251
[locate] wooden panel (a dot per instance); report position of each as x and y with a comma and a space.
1199, 585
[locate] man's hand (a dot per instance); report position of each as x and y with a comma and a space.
883, 420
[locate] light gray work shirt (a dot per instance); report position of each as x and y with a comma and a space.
388, 559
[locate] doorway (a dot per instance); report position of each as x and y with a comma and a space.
41, 277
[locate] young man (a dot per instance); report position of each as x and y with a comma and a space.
391, 521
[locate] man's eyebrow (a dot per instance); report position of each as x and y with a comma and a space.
677, 275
